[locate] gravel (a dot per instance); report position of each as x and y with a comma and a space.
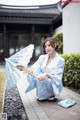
13, 105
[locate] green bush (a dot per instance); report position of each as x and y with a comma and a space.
59, 38
71, 75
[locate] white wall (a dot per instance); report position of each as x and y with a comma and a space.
71, 28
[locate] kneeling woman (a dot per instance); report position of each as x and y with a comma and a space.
49, 70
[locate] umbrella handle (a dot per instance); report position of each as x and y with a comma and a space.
25, 70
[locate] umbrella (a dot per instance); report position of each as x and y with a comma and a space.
22, 58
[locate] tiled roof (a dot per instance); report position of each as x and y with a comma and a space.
48, 12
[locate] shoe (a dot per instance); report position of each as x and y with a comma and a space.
51, 99
44, 100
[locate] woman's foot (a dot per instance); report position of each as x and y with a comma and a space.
52, 98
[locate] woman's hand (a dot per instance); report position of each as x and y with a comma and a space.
20, 67
42, 76
25, 70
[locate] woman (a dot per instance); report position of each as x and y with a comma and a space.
48, 70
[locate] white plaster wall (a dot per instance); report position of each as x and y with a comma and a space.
71, 28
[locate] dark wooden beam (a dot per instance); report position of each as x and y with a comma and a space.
5, 42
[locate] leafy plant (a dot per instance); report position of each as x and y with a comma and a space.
71, 76
59, 38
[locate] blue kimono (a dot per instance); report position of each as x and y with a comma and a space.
49, 86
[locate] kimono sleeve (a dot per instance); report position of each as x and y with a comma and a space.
56, 76
36, 67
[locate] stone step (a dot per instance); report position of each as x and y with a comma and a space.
32, 108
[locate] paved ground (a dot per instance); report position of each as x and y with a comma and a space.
48, 110
2, 67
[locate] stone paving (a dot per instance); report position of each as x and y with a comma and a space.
49, 110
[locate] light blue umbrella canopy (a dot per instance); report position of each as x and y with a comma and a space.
20, 58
